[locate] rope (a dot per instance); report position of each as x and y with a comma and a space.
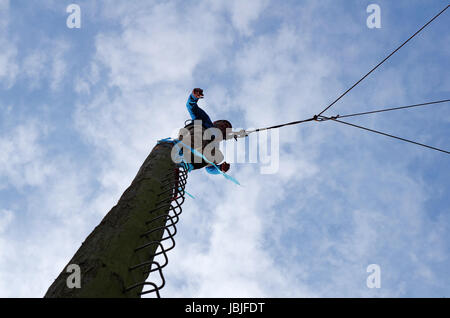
389, 109
281, 125
323, 118
319, 117
385, 134
384, 60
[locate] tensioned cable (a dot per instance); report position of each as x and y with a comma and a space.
393, 108
319, 117
385, 134
281, 125
323, 118
384, 60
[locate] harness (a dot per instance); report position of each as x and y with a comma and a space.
193, 135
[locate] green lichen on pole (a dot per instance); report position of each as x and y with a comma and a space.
109, 251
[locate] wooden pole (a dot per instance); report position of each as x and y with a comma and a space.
108, 252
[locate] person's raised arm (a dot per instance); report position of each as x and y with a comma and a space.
195, 111
191, 104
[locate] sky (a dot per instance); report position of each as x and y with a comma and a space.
81, 108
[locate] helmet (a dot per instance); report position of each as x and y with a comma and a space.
223, 125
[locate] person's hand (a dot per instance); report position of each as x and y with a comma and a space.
242, 133
224, 167
197, 92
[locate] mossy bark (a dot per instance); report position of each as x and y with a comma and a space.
109, 251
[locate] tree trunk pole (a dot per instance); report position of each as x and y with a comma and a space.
107, 254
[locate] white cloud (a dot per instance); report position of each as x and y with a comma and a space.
8, 54
48, 62
6, 218
162, 45
22, 159
34, 64
222, 252
8, 65
90, 77
244, 13
59, 64
52, 220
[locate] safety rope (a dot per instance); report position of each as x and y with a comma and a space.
323, 118
393, 108
384, 134
384, 60
282, 125
320, 118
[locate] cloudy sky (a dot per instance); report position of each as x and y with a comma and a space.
80, 109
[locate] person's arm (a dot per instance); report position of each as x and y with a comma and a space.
192, 106
195, 111
236, 134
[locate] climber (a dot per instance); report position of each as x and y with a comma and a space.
204, 143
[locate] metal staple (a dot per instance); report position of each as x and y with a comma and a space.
172, 197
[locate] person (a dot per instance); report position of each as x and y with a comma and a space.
195, 131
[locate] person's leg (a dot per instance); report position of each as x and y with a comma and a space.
203, 116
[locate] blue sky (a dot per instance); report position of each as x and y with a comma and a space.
80, 109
